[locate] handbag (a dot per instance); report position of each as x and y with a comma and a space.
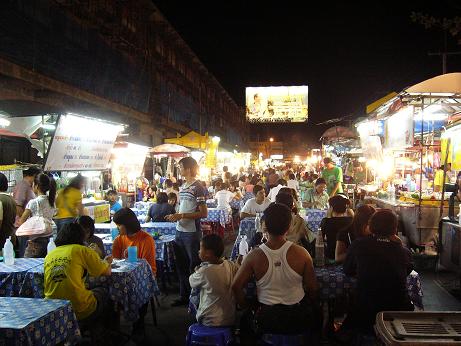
36, 225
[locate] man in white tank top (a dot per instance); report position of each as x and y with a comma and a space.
283, 272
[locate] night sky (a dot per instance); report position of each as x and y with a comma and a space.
349, 54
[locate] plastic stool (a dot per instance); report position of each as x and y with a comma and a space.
285, 339
210, 336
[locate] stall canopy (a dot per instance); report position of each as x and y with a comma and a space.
168, 149
340, 135
449, 83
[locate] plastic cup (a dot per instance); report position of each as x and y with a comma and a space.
132, 254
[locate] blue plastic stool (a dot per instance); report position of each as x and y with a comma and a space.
285, 339
209, 336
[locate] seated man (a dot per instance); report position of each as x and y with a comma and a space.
112, 197
282, 270
317, 197
214, 279
65, 269
255, 205
381, 264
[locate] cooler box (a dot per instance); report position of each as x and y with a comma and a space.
418, 328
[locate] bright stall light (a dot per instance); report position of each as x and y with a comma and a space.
431, 113
216, 139
296, 159
48, 126
4, 122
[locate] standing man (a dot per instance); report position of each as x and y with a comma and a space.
333, 175
7, 212
438, 179
23, 192
192, 208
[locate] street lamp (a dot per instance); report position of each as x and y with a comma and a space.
271, 139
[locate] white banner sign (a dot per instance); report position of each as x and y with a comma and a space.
81, 144
399, 129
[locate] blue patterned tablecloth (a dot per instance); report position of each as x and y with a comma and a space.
131, 286
218, 215
211, 203
235, 204
247, 227
160, 245
12, 276
162, 228
142, 206
314, 217
29, 321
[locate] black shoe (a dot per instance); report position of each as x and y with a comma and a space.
180, 302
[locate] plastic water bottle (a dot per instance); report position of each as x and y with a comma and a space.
258, 222
8, 252
319, 250
51, 246
243, 246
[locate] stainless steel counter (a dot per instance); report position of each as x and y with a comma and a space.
450, 254
420, 223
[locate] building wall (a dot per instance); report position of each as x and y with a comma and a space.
125, 52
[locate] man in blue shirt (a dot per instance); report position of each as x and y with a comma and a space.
192, 208
115, 206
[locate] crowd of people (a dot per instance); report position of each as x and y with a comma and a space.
280, 263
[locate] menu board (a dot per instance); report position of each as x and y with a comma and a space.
81, 144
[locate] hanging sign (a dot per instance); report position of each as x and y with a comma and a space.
81, 144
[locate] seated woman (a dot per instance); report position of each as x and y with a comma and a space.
316, 197
338, 218
92, 241
282, 270
132, 235
298, 232
159, 210
64, 271
381, 265
358, 229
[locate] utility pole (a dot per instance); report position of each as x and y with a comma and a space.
444, 58
444, 54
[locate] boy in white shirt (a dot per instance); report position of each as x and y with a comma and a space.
224, 196
255, 205
214, 279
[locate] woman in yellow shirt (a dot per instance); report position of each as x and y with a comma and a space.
69, 202
65, 268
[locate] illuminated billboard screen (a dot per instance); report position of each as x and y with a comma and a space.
276, 104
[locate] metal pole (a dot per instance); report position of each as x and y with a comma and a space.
421, 168
442, 199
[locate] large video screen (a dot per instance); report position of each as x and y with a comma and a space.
276, 104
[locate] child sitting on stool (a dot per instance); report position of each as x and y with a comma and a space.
214, 279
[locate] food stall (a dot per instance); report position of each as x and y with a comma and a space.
402, 157
127, 164
83, 145
204, 151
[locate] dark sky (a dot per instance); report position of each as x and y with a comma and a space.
348, 53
